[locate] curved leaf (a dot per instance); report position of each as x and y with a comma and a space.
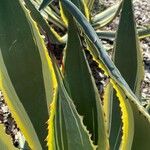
105, 17
128, 57
49, 15
99, 51
108, 103
76, 135
110, 35
134, 65
79, 80
26, 78
54, 37
128, 61
110, 69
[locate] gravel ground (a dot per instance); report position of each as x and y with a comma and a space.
9, 123
142, 16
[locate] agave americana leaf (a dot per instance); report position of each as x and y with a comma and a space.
108, 106
70, 133
110, 69
110, 35
26, 78
48, 72
79, 80
79, 75
80, 4
99, 50
105, 17
50, 15
127, 56
51, 7
76, 135
116, 129
53, 36
124, 108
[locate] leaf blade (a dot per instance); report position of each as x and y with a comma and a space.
25, 116
76, 130
105, 61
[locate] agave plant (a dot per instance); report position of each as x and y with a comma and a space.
58, 104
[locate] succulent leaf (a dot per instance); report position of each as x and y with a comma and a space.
107, 16
79, 80
77, 137
52, 35
26, 75
111, 70
128, 57
110, 35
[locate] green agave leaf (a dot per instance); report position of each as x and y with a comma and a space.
25, 75
142, 130
51, 142
48, 7
123, 140
126, 114
74, 135
108, 103
99, 51
60, 136
45, 3
5, 140
70, 132
128, 60
105, 17
50, 15
128, 57
48, 72
54, 37
116, 131
80, 4
79, 80
110, 69
134, 65
110, 35
108, 95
